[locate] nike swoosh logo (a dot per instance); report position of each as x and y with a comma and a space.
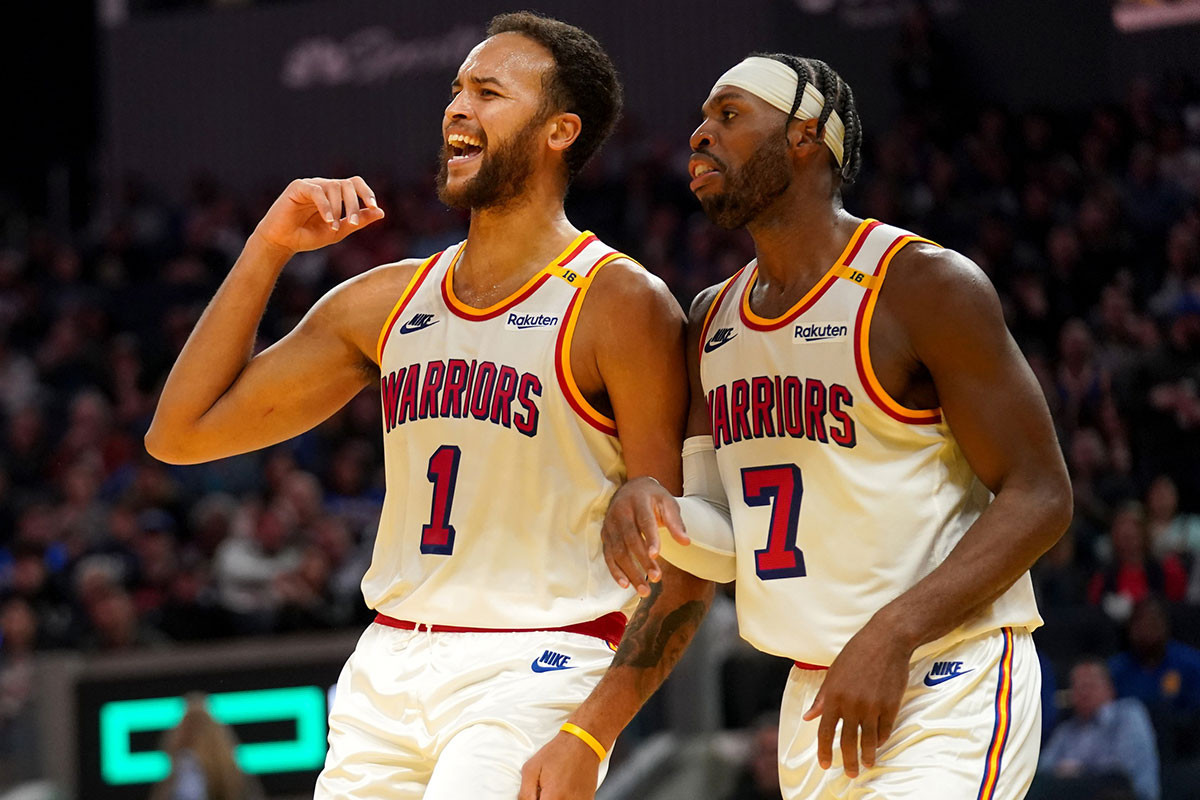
711, 344
932, 681
536, 666
409, 327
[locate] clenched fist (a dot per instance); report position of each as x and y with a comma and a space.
315, 212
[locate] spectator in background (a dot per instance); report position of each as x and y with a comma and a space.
1134, 572
1093, 488
1171, 531
1163, 674
1058, 578
247, 567
1104, 736
115, 624
18, 739
759, 777
202, 761
1083, 382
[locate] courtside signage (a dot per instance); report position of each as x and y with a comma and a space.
303, 706
276, 707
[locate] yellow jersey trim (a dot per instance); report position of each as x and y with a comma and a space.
581, 404
413, 282
479, 313
820, 285
925, 415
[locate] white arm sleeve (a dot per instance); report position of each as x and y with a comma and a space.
705, 511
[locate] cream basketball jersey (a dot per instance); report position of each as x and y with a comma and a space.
841, 498
499, 472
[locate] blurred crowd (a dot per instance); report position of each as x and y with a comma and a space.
1088, 224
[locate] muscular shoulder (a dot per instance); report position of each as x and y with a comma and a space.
702, 303
357, 308
932, 290
625, 298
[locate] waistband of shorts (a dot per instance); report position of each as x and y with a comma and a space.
610, 627
806, 665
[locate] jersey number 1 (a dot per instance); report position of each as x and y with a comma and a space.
437, 537
781, 487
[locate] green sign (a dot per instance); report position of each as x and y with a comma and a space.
305, 704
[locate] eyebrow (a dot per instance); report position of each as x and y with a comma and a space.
722, 97
479, 79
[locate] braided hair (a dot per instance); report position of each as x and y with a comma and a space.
838, 96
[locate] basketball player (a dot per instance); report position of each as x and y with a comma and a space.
861, 413
524, 374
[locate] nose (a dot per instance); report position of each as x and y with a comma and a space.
702, 138
458, 107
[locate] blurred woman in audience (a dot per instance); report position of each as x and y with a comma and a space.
202, 761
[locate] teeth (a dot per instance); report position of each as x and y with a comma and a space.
703, 168
463, 139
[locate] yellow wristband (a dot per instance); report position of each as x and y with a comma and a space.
587, 738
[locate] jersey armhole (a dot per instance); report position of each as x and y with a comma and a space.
862, 350
562, 354
414, 283
713, 307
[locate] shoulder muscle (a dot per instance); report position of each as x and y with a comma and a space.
357, 309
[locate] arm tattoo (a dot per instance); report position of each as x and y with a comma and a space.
657, 636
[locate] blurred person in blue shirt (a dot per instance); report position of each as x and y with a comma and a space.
1162, 673
1104, 736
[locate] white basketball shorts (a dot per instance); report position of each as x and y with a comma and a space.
447, 716
968, 729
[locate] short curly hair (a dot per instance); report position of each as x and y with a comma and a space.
584, 80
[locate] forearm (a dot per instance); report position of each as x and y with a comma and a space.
661, 629
222, 342
1018, 526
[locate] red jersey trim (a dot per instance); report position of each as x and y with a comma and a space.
712, 309
470, 313
562, 355
414, 283
755, 322
995, 754
862, 351
610, 627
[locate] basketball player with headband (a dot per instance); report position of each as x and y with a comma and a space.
868, 455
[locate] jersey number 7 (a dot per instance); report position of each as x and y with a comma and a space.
781, 487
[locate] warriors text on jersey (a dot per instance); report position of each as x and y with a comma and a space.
842, 499
498, 470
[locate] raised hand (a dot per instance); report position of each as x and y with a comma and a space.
315, 212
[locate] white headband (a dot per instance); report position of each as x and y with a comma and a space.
775, 82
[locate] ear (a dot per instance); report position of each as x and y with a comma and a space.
565, 129
802, 132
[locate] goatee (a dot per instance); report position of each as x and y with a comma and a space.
501, 177
750, 189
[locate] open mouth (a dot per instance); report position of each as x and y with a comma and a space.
702, 172
462, 147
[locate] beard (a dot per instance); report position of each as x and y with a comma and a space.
502, 174
752, 187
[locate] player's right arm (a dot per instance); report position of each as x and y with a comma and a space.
220, 399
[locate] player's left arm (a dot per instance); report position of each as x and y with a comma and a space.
947, 310
630, 339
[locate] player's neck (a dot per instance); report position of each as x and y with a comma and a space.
798, 238
508, 245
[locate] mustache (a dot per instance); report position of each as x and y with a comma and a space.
704, 151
